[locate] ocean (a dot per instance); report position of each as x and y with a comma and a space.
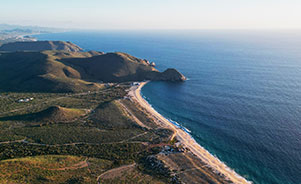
242, 99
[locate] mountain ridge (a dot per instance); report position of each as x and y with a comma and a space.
40, 46
74, 71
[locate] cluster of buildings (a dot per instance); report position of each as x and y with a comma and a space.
166, 150
135, 84
25, 100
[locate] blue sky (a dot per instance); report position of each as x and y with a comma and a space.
154, 14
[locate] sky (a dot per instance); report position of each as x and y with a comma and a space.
154, 14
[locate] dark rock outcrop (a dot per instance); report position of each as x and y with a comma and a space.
170, 74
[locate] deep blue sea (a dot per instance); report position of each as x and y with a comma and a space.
242, 101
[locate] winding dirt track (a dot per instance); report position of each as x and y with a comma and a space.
116, 171
79, 165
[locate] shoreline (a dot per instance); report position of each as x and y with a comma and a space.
186, 139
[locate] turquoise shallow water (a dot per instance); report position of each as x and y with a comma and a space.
242, 101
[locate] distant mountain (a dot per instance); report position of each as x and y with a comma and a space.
68, 71
40, 46
32, 28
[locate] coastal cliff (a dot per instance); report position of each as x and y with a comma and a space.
170, 74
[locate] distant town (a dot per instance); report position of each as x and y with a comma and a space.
14, 33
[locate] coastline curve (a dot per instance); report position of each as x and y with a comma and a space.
186, 139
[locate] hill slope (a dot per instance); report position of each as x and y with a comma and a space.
40, 72
40, 46
58, 114
51, 114
112, 67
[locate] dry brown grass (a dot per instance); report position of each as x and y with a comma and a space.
127, 174
51, 169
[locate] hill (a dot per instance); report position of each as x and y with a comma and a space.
120, 67
58, 114
51, 114
40, 46
112, 67
68, 71
41, 71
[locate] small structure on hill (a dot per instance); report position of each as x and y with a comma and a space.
135, 83
153, 64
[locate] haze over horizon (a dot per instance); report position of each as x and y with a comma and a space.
141, 14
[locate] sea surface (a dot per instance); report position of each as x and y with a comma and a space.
242, 101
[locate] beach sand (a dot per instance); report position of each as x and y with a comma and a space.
186, 140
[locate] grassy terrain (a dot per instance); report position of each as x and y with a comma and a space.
119, 152
64, 134
70, 169
139, 112
190, 169
60, 130
52, 169
59, 123
51, 114
112, 112
127, 174
89, 137
10, 106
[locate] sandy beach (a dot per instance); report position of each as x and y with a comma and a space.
186, 140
